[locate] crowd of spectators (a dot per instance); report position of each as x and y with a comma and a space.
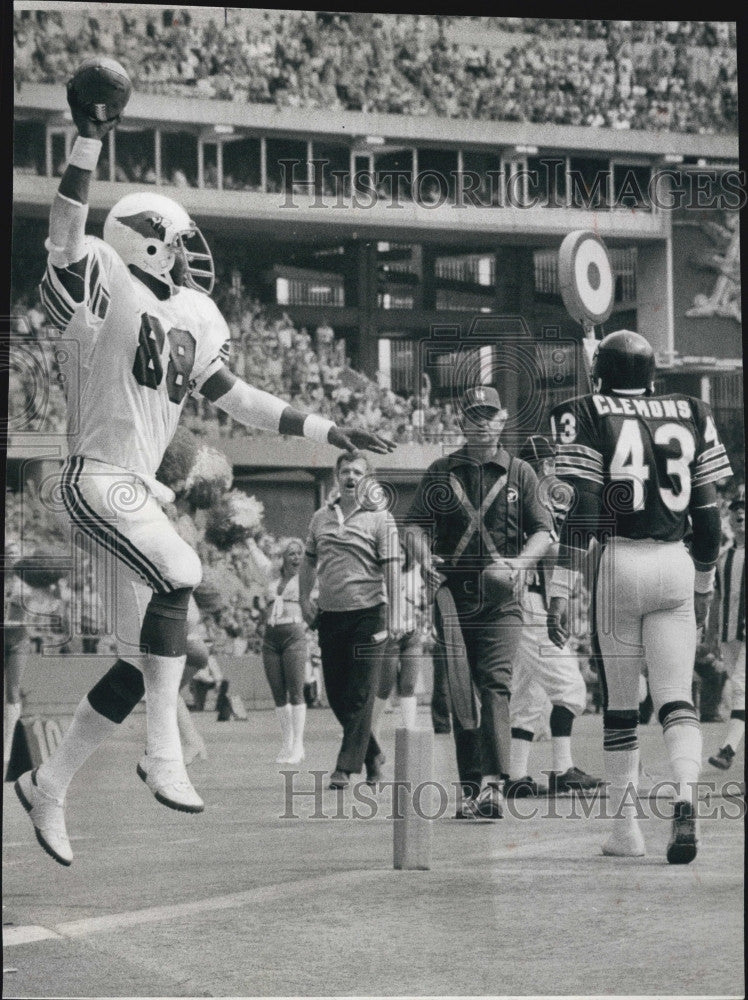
709, 34
622, 74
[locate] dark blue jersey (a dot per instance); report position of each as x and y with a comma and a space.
638, 461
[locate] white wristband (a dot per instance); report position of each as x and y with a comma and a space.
704, 580
563, 582
85, 153
316, 428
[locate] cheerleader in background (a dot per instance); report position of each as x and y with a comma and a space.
284, 654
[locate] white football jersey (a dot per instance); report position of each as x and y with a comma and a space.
139, 356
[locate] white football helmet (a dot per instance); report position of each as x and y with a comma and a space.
149, 231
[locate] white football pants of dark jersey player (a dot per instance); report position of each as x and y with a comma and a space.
644, 611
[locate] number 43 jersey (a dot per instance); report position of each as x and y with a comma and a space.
138, 356
643, 456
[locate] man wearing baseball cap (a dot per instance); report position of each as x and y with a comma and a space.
725, 633
541, 671
477, 521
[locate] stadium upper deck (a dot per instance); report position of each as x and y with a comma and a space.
388, 224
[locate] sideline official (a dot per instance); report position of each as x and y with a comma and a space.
353, 551
478, 520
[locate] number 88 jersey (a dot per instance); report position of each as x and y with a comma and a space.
138, 355
644, 457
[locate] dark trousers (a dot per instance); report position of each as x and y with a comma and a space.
440, 711
351, 667
492, 635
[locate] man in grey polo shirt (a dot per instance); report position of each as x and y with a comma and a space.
353, 551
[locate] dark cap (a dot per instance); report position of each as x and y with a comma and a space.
536, 448
737, 504
480, 397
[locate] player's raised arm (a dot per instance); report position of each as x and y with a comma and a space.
97, 94
257, 408
94, 119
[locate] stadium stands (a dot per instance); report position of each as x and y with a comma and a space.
675, 75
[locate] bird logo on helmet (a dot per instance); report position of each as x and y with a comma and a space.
624, 363
151, 234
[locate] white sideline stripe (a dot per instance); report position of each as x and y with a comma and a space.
176, 911
25, 935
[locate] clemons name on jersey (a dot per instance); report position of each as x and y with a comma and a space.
644, 455
137, 356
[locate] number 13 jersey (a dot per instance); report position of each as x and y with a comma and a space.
138, 356
642, 455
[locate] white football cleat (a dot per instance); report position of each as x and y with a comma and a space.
627, 843
168, 781
48, 816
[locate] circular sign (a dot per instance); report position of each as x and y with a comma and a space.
585, 277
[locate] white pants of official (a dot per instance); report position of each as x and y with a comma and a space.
542, 672
644, 613
135, 548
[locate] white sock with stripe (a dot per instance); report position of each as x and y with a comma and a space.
684, 747
621, 759
622, 774
88, 730
163, 677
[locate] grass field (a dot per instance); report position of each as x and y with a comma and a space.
240, 901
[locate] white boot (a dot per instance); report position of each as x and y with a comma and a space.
409, 709
12, 715
284, 718
298, 718
193, 745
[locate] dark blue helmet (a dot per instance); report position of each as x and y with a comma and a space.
624, 361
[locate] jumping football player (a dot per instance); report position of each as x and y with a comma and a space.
642, 465
137, 305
